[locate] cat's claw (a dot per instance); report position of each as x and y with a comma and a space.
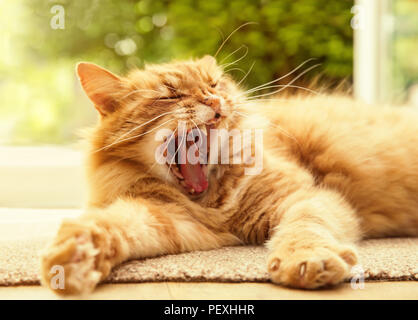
274, 264
311, 268
302, 269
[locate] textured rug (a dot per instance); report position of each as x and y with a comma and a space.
386, 259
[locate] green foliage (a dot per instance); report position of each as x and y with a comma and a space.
404, 46
285, 33
38, 85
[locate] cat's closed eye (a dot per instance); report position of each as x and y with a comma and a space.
178, 96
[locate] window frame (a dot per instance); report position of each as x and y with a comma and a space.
369, 49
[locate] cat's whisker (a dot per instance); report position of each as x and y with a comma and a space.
288, 84
141, 125
173, 136
198, 130
171, 161
247, 101
282, 86
226, 58
286, 133
149, 131
204, 122
178, 148
134, 137
245, 76
286, 75
230, 35
255, 98
237, 69
236, 61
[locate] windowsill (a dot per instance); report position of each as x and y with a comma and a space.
41, 177
27, 224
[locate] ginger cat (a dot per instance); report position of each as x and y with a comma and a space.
333, 172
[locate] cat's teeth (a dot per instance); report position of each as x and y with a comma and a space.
177, 173
191, 190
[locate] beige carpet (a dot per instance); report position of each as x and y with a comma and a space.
24, 232
387, 259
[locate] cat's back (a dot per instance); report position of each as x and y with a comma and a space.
368, 153
339, 123
339, 115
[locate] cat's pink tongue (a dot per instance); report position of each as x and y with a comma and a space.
194, 177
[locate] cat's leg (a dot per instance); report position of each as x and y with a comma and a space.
88, 247
313, 244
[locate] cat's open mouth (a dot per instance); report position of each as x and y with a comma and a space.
190, 159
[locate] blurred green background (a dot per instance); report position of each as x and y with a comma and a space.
42, 103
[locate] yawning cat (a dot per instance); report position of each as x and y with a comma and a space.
333, 172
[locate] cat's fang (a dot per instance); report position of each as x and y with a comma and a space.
177, 173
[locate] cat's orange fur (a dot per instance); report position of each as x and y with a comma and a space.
334, 172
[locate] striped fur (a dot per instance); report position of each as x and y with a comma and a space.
333, 172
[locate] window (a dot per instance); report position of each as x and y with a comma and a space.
385, 46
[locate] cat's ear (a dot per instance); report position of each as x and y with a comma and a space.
100, 85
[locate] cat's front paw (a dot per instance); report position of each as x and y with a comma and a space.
311, 267
69, 265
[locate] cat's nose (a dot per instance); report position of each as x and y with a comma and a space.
215, 103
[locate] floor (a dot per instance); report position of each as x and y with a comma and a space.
19, 223
407, 290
